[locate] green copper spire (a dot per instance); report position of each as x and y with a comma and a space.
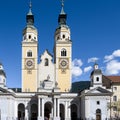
30, 16
62, 16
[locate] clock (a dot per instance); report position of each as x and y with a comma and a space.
29, 63
64, 63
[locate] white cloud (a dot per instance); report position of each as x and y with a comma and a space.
108, 58
76, 67
76, 71
87, 69
112, 67
93, 59
115, 54
77, 62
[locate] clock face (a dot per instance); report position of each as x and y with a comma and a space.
29, 63
63, 63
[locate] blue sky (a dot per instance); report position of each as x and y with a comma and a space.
95, 33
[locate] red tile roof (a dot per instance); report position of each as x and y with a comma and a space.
115, 79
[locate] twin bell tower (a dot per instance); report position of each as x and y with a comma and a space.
50, 72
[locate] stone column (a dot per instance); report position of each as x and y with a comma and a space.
52, 112
66, 113
39, 110
26, 110
42, 106
69, 110
26, 114
55, 107
58, 108
16, 110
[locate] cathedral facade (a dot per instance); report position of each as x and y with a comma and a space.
45, 92
46, 86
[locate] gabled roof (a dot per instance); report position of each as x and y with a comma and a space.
46, 51
114, 79
98, 91
106, 82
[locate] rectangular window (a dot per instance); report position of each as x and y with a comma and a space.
98, 102
115, 108
97, 79
114, 98
29, 54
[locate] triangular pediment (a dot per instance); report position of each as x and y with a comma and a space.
47, 55
98, 90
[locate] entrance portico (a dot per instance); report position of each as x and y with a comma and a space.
48, 107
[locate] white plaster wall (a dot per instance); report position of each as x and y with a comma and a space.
7, 107
44, 71
92, 106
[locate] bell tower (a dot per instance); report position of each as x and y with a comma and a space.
96, 77
63, 53
29, 54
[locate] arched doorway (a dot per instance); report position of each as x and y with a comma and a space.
62, 112
98, 114
73, 112
47, 110
34, 111
21, 111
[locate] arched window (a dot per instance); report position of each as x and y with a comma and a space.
97, 79
29, 36
29, 53
62, 112
63, 36
63, 52
73, 112
46, 62
21, 111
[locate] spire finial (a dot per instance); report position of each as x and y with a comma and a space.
30, 7
62, 1
62, 4
30, 16
30, 4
